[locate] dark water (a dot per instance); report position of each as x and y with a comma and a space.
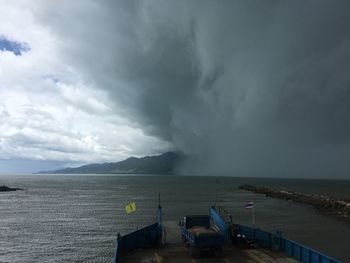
76, 218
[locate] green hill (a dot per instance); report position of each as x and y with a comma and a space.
162, 164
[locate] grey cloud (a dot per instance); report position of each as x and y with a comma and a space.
250, 87
47, 142
35, 134
34, 113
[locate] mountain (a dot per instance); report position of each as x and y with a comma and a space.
160, 164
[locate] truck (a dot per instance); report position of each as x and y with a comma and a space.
200, 236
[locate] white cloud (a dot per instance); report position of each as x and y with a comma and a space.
47, 111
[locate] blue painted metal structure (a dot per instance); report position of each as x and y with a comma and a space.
151, 236
273, 241
215, 240
305, 254
210, 241
220, 223
290, 247
143, 238
263, 239
147, 237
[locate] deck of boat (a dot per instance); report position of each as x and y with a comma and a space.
175, 251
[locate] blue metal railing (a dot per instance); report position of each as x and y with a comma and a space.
146, 237
150, 236
273, 241
290, 247
262, 238
305, 254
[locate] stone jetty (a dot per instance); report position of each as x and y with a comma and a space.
5, 188
339, 208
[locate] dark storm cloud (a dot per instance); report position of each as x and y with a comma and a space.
251, 87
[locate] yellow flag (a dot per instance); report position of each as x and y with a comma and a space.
130, 208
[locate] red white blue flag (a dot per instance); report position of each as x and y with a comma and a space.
249, 205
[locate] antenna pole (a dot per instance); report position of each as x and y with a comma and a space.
159, 200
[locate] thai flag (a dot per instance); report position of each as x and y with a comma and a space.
249, 205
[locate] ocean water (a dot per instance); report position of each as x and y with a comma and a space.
75, 218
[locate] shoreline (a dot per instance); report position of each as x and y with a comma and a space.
337, 208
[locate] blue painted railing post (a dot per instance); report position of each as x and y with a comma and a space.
309, 256
115, 256
117, 249
280, 242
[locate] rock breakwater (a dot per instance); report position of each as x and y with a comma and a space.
5, 188
339, 208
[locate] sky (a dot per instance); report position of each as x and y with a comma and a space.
251, 88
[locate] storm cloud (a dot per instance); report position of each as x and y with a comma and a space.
259, 88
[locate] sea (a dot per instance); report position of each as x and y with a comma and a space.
76, 218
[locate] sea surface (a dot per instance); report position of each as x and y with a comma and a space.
76, 218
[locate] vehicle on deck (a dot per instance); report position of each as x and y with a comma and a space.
200, 236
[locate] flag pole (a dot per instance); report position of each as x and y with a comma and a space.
250, 205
